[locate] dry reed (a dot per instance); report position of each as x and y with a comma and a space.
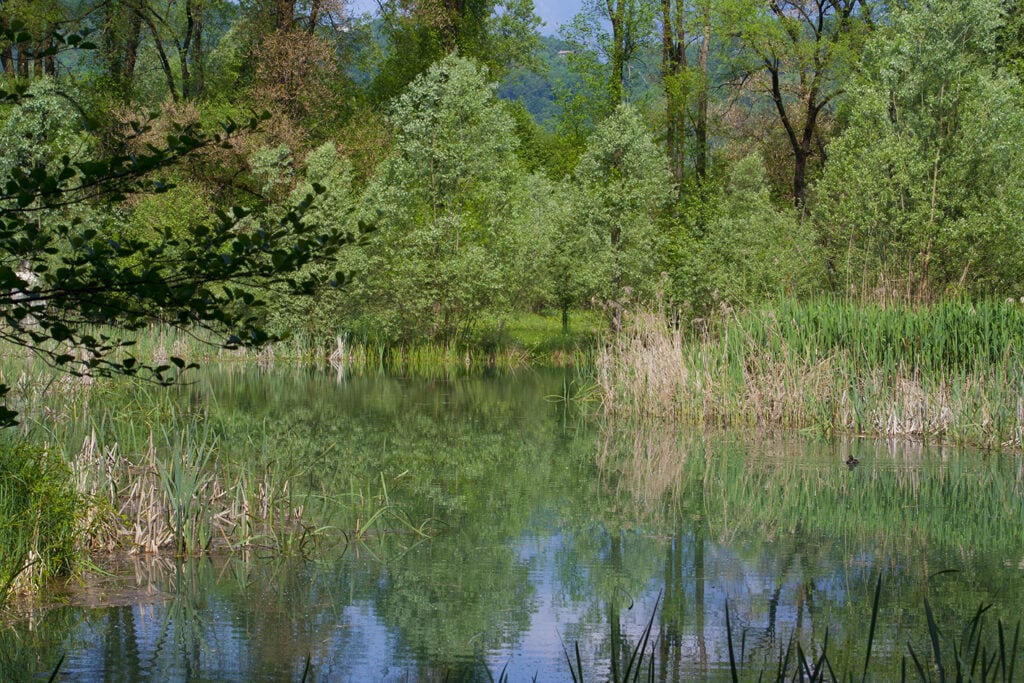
180, 501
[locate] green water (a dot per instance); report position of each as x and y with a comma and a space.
543, 528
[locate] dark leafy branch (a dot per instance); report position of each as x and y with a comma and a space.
62, 277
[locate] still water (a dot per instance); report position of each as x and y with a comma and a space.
500, 529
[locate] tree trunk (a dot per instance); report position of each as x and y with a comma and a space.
165, 64
801, 147
618, 56
314, 16
673, 57
7, 53
701, 127
131, 49
285, 16
184, 51
198, 55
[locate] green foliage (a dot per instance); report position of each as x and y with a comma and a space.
923, 193
39, 518
610, 245
534, 85
60, 273
42, 128
450, 208
804, 55
615, 35
498, 34
750, 250
171, 212
322, 314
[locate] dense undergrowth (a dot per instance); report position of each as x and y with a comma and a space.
952, 371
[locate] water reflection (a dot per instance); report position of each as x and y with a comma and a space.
550, 530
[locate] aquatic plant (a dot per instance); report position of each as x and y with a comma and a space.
953, 371
175, 495
973, 656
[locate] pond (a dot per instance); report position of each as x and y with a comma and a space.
508, 530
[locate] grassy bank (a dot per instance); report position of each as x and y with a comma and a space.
953, 371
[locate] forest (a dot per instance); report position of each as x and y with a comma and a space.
452, 169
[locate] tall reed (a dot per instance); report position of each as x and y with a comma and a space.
176, 496
953, 371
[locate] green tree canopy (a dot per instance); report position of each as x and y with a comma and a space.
618, 191
924, 191
449, 243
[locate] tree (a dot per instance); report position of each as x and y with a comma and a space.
497, 33
678, 32
29, 39
923, 192
750, 251
805, 50
448, 245
323, 313
72, 287
619, 190
632, 30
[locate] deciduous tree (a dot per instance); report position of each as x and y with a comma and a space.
800, 54
448, 246
923, 191
620, 189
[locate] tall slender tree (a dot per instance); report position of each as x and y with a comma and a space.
632, 24
686, 26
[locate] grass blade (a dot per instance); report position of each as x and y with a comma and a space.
577, 673
933, 634
56, 669
641, 646
732, 654
920, 669
1013, 653
871, 629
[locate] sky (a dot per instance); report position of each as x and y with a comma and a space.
552, 12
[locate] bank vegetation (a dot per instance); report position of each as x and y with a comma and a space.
952, 371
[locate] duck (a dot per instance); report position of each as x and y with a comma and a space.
852, 462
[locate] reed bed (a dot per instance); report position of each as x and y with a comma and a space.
174, 496
953, 371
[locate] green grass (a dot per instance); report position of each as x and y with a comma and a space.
506, 343
40, 519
